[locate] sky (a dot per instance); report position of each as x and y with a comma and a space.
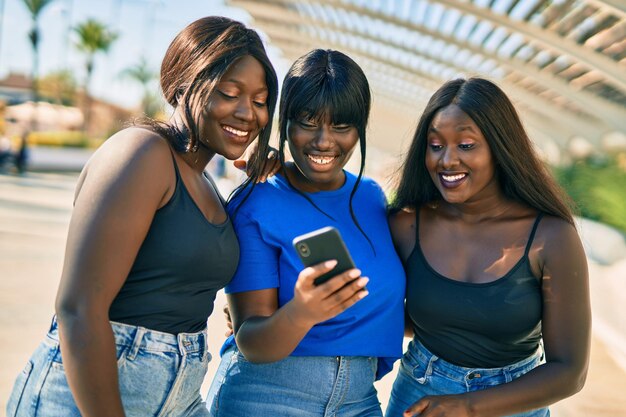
145, 28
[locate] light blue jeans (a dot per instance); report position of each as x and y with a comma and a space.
160, 374
422, 373
297, 386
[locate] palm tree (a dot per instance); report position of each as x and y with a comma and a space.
35, 8
59, 87
142, 74
93, 37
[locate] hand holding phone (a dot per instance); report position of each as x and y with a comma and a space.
323, 291
322, 245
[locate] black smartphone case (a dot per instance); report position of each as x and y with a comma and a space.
322, 245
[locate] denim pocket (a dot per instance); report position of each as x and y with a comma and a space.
412, 366
18, 389
480, 383
215, 390
54, 394
57, 359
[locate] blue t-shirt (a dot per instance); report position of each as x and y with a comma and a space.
274, 214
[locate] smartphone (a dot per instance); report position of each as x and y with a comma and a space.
323, 245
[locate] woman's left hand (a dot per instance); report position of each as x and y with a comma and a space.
440, 406
271, 167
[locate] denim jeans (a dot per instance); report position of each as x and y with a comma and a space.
297, 386
422, 373
160, 374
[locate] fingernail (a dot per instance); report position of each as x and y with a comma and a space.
363, 282
363, 294
330, 264
355, 273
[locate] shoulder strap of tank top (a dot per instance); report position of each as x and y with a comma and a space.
175, 164
417, 225
532, 233
217, 191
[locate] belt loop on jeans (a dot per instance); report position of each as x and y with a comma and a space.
202, 344
508, 376
429, 369
134, 349
183, 344
53, 323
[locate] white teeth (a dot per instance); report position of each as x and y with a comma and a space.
235, 131
452, 178
322, 160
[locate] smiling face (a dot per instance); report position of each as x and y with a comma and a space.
458, 157
236, 110
320, 150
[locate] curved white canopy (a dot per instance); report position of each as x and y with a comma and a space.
563, 62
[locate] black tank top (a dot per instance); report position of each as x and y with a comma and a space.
476, 325
182, 263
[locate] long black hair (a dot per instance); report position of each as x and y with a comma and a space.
321, 85
520, 173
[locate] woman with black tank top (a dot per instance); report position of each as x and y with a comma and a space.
150, 242
497, 283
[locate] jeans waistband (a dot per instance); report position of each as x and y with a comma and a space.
150, 340
457, 372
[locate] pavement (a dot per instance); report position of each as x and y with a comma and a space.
34, 214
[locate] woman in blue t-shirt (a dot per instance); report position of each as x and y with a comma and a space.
302, 349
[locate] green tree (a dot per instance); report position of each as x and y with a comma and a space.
59, 87
598, 187
93, 37
144, 75
35, 7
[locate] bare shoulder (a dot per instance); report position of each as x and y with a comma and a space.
402, 225
131, 144
402, 219
132, 155
558, 241
555, 229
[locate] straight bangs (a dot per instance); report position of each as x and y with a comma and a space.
331, 99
